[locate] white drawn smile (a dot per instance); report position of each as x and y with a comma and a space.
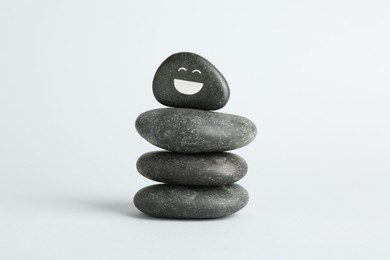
187, 87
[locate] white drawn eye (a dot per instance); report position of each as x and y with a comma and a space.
182, 68
197, 71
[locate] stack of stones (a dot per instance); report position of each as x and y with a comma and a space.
198, 173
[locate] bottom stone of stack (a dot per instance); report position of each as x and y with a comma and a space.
191, 202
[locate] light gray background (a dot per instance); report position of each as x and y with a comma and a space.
313, 76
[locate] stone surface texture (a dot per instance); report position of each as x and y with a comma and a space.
189, 202
195, 131
205, 169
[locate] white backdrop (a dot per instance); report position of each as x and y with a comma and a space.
313, 76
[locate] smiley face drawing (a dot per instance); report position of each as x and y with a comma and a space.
188, 80
187, 87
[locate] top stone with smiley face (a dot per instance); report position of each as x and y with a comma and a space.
188, 80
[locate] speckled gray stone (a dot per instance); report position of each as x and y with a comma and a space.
195, 131
204, 169
188, 80
189, 202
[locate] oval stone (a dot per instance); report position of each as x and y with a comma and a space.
190, 202
204, 169
195, 131
188, 80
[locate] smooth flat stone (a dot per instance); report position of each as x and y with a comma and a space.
190, 81
205, 169
195, 131
189, 202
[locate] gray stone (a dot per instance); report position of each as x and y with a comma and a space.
204, 169
188, 80
195, 131
191, 202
